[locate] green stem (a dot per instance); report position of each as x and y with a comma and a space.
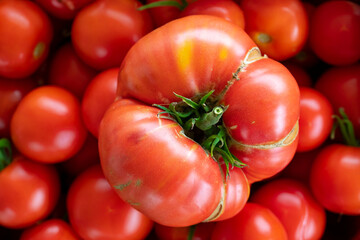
164, 3
5, 153
191, 232
207, 120
346, 128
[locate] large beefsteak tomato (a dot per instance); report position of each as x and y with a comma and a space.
215, 69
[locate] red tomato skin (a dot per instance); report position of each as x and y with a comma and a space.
66, 9
181, 191
292, 202
196, 61
67, 70
335, 32
104, 215
54, 229
98, 96
341, 86
300, 74
47, 125
11, 93
335, 179
226, 9
29, 192
105, 44
316, 121
263, 126
253, 222
284, 21
22, 20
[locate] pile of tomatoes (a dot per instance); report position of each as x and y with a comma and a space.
180, 119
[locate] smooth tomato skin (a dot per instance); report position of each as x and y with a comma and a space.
22, 20
292, 202
11, 93
263, 126
335, 32
300, 74
284, 21
29, 192
316, 120
98, 96
200, 53
47, 125
341, 86
96, 212
335, 179
202, 232
253, 222
66, 9
226, 9
54, 229
181, 184
105, 44
67, 70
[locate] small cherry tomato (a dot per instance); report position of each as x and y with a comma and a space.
29, 192
96, 212
26, 33
335, 32
253, 222
47, 125
54, 229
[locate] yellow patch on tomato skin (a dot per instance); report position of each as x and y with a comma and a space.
223, 53
184, 54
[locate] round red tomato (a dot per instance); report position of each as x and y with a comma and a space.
98, 96
253, 222
316, 120
115, 27
279, 28
341, 86
67, 70
26, 34
292, 202
64, 9
184, 181
47, 125
335, 178
54, 229
29, 192
335, 32
96, 212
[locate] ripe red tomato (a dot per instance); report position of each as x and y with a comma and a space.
54, 229
47, 125
279, 28
292, 202
29, 192
316, 120
115, 27
253, 222
98, 96
335, 178
26, 34
201, 54
335, 32
67, 70
341, 86
96, 212
226, 9
11, 93
64, 9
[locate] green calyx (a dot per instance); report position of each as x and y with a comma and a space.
201, 119
346, 128
165, 3
5, 153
